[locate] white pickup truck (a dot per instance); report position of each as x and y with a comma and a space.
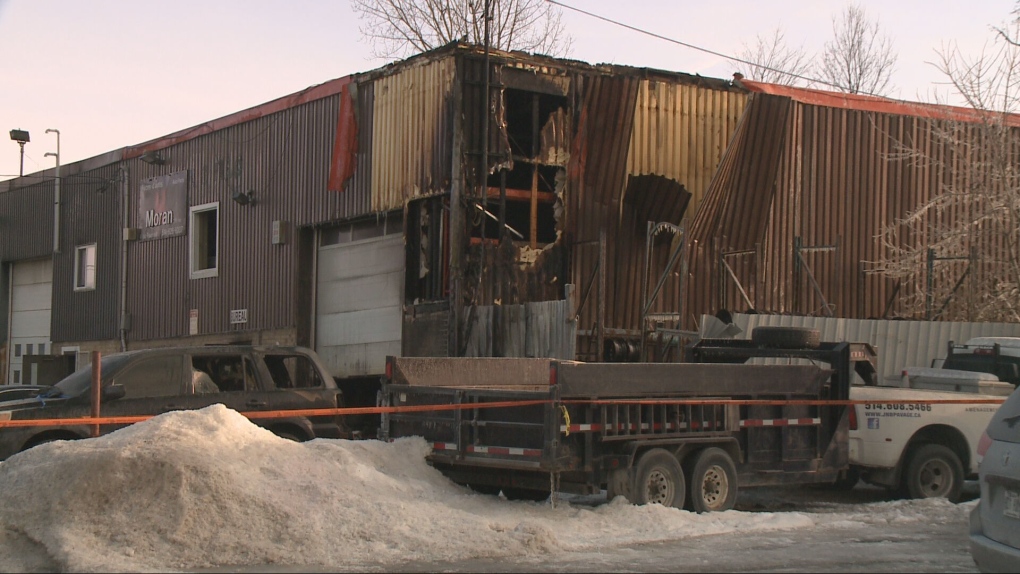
922, 449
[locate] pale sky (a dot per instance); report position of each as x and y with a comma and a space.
114, 73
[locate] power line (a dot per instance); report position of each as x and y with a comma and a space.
693, 47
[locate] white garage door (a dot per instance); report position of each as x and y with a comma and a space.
358, 305
31, 298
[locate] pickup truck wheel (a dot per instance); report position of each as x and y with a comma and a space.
786, 337
713, 481
933, 471
658, 479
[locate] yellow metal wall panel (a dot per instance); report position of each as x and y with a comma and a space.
681, 132
411, 133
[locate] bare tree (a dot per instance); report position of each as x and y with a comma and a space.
770, 60
859, 59
397, 28
957, 255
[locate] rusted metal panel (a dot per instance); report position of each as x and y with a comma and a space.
411, 133
803, 192
596, 175
681, 131
729, 231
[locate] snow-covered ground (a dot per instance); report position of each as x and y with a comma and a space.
206, 489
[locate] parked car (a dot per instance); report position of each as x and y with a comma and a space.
15, 392
995, 521
154, 381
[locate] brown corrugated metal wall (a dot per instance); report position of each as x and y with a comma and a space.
596, 182
26, 217
91, 213
284, 158
823, 181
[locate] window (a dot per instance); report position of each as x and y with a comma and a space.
85, 267
152, 377
293, 372
230, 373
203, 228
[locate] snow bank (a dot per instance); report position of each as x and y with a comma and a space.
207, 488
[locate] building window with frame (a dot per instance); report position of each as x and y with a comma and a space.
203, 231
85, 267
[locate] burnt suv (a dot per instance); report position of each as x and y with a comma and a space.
153, 381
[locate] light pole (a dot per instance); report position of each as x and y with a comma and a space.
21, 136
56, 195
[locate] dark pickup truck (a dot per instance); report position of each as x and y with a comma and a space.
153, 381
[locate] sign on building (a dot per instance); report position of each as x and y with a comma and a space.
163, 206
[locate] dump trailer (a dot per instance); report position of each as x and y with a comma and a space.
679, 434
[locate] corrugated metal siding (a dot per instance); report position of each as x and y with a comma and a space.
544, 329
734, 215
26, 219
900, 344
828, 178
90, 213
597, 174
681, 132
284, 158
412, 133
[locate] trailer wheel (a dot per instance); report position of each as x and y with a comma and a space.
786, 337
933, 471
658, 479
713, 479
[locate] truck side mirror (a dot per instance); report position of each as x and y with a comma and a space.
113, 392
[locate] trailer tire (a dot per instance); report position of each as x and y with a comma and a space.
786, 337
933, 471
713, 482
658, 479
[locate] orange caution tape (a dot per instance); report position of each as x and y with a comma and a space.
124, 420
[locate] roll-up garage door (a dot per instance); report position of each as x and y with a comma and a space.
359, 292
31, 301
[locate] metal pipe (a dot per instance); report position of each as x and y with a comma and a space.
96, 389
56, 195
123, 258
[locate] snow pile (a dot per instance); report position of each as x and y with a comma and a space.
207, 488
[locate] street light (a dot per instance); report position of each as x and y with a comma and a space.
21, 136
56, 195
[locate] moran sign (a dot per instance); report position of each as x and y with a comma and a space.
163, 206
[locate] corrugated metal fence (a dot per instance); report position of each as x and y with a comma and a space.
545, 329
899, 343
